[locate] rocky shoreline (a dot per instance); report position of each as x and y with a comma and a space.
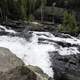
21, 26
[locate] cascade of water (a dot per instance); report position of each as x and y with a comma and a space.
35, 51
30, 52
6, 30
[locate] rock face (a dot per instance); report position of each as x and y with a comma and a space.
8, 60
40, 74
29, 26
23, 73
66, 67
12, 68
18, 73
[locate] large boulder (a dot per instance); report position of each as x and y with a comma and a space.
18, 73
23, 73
21, 26
40, 74
13, 68
8, 60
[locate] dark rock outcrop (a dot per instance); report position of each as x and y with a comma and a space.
65, 67
16, 25
20, 26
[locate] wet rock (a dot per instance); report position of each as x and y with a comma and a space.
39, 73
60, 43
16, 25
61, 35
65, 67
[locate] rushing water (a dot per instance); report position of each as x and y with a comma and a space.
35, 51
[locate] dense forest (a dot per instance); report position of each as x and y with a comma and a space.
25, 10
69, 4
18, 9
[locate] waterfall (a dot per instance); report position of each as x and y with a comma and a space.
36, 51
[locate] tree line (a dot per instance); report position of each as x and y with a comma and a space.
18, 9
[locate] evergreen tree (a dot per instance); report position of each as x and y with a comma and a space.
69, 23
18, 9
3, 9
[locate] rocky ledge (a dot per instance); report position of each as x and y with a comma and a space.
30, 26
66, 67
12, 68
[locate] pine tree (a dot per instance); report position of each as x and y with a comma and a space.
69, 22
18, 9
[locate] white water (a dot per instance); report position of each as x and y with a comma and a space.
34, 53
6, 30
30, 52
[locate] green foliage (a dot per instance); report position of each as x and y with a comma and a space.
69, 23
70, 4
19, 9
3, 9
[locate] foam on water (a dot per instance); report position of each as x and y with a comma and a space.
34, 53
6, 30
30, 52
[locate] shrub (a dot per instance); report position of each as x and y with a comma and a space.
69, 23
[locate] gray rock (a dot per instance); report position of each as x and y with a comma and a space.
24, 73
66, 67
8, 60
18, 73
12, 68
